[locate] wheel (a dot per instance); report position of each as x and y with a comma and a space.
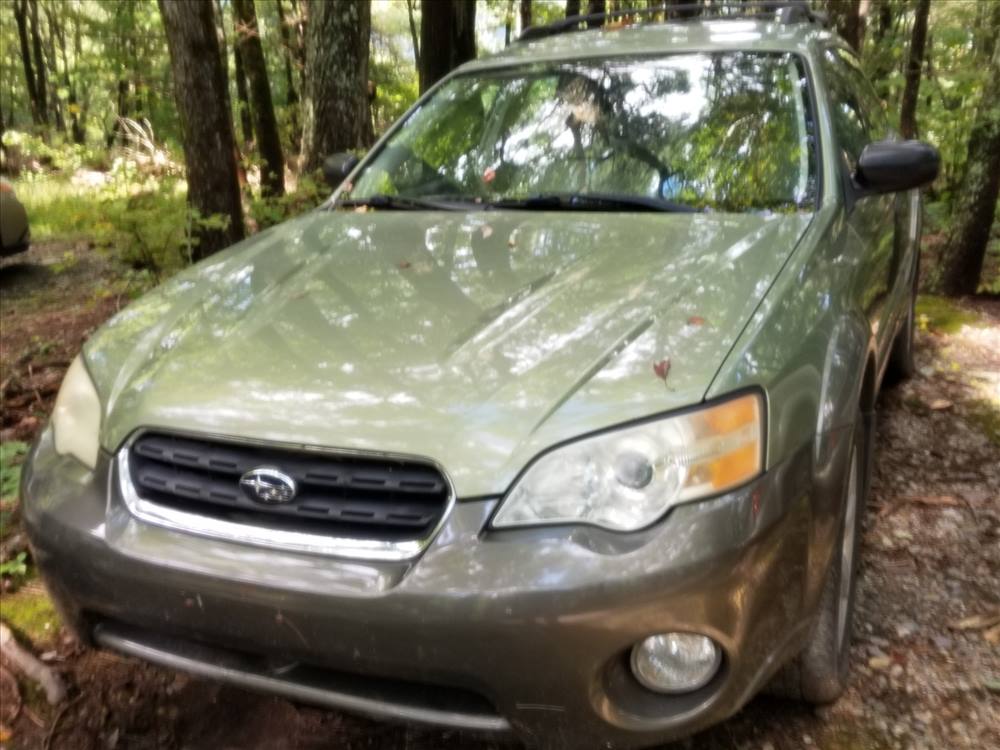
901, 362
819, 673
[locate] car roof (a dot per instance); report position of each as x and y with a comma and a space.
715, 35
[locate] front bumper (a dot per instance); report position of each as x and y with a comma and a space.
525, 630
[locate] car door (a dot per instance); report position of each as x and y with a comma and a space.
858, 120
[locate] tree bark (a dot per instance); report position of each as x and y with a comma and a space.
335, 109
272, 178
911, 92
525, 12
962, 260
846, 15
20, 16
572, 8
447, 38
206, 120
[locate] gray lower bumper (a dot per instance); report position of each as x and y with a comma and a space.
536, 623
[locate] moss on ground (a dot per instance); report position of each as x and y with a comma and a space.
985, 415
30, 614
943, 315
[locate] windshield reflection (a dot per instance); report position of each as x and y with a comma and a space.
726, 132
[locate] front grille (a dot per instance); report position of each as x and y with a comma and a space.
337, 495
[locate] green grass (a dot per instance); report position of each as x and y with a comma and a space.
58, 209
943, 315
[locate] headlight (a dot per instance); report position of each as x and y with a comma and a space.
626, 479
76, 418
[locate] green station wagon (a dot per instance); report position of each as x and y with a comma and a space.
554, 421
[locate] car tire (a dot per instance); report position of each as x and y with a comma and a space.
819, 673
902, 364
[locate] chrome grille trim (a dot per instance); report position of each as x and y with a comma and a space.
263, 536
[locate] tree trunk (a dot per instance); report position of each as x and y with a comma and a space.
247, 33
596, 6
846, 15
20, 16
40, 78
525, 12
572, 8
908, 108
414, 34
962, 260
206, 121
291, 94
447, 38
335, 109
56, 27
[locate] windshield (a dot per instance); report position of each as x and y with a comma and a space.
725, 132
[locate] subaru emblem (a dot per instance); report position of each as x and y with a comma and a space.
269, 485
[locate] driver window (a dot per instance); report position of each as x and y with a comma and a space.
849, 122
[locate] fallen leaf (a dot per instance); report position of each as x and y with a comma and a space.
939, 404
489, 175
403, 264
977, 622
880, 662
661, 369
486, 231
993, 635
696, 320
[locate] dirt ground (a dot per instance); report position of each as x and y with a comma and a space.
926, 657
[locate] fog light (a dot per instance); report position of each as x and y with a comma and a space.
675, 662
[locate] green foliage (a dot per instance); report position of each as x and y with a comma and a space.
307, 194
391, 68
11, 455
16, 567
26, 151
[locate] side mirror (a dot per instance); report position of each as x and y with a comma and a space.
892, 166
337, 167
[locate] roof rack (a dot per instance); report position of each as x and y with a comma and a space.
781, 11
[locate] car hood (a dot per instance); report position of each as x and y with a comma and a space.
476, 339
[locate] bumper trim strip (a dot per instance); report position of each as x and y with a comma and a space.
245, 676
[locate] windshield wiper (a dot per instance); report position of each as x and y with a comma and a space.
591, 202
395, 203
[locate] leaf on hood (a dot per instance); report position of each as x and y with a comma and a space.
348, 187
489, 175
403, 265
661, 369
696, 320
486, 230
362, 209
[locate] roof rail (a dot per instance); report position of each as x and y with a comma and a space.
782, 11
